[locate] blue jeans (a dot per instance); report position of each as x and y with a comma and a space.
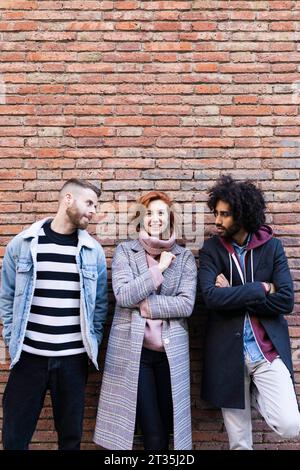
154, 400
24, 395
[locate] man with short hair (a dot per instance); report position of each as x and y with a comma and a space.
53, 304
246, 286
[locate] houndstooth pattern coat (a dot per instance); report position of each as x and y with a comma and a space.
132, 283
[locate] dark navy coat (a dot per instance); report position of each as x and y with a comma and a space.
223, 370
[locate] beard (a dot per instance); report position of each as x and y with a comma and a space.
76, 217
231, 231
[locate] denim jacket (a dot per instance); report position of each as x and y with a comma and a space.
18, 283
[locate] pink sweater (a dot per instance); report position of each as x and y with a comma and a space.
153, 328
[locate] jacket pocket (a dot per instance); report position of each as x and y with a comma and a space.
23, 275
90, 283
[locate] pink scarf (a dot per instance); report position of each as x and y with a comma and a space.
154, 246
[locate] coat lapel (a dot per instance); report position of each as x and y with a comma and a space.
140, 257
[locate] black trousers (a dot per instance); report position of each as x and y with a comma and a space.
154, 400
24, 395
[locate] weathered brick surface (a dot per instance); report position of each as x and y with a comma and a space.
144, 95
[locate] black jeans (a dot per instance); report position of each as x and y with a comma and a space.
24, 395
154, 400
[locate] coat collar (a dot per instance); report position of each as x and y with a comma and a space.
84, 238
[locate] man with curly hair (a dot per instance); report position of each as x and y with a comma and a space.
245, 283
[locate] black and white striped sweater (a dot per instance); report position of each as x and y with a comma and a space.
53, 327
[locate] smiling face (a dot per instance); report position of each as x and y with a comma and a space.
225, 224
156, 220
81, 207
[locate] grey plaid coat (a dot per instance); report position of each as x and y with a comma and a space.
132, 283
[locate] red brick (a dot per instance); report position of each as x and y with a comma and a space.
281, 5
204, 26
26, 109
206, 67
127, 174
18, 174
8, 207
247, 110
282, 26
164, 95
17, 26
18, 5
245, 99
206, 142
128, 121
208, 89
89, 131
284, 67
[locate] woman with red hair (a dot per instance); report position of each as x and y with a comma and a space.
146, 375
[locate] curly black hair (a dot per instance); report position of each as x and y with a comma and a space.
245, 199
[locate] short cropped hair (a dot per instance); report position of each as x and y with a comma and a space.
81, 184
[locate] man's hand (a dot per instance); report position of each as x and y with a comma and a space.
221, 281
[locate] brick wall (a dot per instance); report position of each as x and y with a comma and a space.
151, 94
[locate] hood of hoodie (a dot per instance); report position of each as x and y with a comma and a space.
263, 234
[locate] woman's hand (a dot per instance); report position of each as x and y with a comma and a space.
221, 281
165, 260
